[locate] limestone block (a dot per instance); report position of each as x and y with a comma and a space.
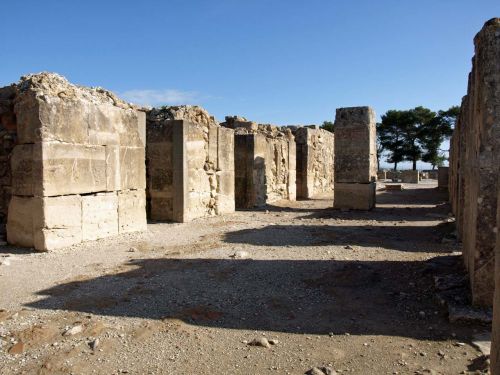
58, 169
225, 193
22, 165
225, 149
113, 179
60, 222
131, 211
355, 146
132, 168
20, 221
443, 177
354, 196
99, 216
42, 117
410, 177
71, 169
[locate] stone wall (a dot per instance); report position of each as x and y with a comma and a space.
190, 164
355, 158
265, 159
410, 177
315, 161
77, 168
8, 139
475, 160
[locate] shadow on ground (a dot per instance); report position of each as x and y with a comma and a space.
402, 238
311, 297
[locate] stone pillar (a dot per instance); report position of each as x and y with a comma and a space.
443, 177
495, 336
190, 166
315, 159
355, 158
77, 168
265, 163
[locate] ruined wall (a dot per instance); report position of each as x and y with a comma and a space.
475, 158
315, 161
355, 158
190, 164
265, 159
410, 177
78, 165
8, 139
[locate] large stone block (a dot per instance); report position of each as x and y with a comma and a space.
99, 216
354, 196
132, 168
355, 146
20, 221
58, 169
45, 223
132, 211
60, 222
443, 177
410, 177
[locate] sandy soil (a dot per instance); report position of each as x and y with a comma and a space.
349, 290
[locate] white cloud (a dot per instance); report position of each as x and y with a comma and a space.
159, 97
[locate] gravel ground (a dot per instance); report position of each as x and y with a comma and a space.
351, 291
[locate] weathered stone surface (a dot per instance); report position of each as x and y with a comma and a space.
315, 161
20, 221
355, 158
190, 165
495, 335
354, 196
45, 223
71, 141
443, 177
355, 147
99, 216
475, 157
410, 177
265, 159
132, 211
132, 168
58, 222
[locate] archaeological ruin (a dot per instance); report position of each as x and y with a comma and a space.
355, 158
265, 157
475, 164
73, 163
190, 164
315, 161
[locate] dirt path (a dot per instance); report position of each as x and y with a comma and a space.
348, 290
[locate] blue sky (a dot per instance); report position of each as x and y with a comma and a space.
283, 62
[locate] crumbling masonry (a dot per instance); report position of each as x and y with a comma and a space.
190, 164
474, 164
76, 169
355, 158
265, 157
315, 162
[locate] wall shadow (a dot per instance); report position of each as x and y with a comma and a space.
296, 296
402, 238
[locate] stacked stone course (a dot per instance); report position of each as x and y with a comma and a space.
190, 160
77, 167
265, 157
355, 158
315, 161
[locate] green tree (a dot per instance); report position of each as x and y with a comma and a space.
435, 132
391, 136
327, 125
